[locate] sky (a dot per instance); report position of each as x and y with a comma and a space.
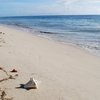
49, 7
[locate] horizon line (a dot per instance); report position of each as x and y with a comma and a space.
51, 15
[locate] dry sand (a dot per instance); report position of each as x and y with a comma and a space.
63, 72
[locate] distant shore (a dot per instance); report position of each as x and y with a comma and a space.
63, 72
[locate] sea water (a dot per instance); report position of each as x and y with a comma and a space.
80, 30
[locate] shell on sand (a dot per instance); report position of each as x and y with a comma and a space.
31, 84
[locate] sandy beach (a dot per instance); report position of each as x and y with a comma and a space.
63, 72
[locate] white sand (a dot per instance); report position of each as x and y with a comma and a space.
63, 72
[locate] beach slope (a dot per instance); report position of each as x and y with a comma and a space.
63, 72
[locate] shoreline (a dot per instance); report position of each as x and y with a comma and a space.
26, 30
63, 72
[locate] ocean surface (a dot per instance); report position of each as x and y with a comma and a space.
80, 30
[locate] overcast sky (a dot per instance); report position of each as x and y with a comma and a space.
48, 7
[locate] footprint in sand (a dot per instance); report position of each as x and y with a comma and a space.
2, 41
3, 95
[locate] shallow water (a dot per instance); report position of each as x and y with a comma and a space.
81, 30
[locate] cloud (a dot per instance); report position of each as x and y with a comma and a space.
66, 1
79, 6
70, 2
37, 7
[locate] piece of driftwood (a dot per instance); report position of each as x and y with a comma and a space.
4, 71
8, 75
7, 78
